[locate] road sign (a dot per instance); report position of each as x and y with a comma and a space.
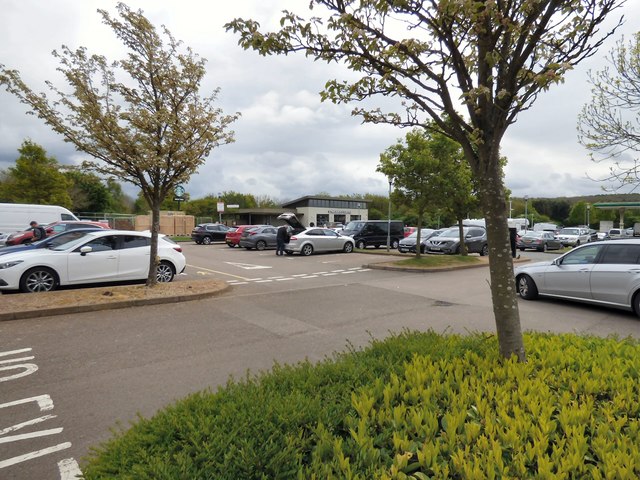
233, 206
178, 199
220, 207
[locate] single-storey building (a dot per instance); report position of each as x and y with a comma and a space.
320, 210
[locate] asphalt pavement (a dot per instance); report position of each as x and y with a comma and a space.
65, 381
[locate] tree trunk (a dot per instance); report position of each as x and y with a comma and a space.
418, 236
152, 279
463, 245
503, 293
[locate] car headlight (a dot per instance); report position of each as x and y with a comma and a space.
10, 264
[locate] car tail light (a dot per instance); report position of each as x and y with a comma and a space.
178, 249
293, 238
253, 233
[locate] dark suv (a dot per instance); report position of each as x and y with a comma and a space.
475, 238
205, 233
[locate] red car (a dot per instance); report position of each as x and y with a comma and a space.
409, 230
20, 238
232, 238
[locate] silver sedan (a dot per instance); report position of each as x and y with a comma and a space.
318, 240
604, 273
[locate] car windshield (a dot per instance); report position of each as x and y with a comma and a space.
534, 235
452, 232
423, 232
569, 231
354, 226
72, 242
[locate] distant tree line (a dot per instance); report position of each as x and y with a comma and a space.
39, 178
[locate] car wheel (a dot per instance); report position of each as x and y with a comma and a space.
377, 246
394, 244
261, 245
230, 245
577, 244
38, 279
635, 303
361, 245
288, 252
348, 247
526, 287
306, 250
165, 272
522, 249
206, 240
248, 248
423, 249
545, 247
484, 251
198, 242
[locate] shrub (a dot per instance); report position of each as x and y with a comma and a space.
417, 405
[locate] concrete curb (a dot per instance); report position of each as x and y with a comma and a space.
394, 268
95, 307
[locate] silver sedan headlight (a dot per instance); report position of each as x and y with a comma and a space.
10, 264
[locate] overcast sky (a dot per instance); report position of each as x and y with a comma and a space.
288, 143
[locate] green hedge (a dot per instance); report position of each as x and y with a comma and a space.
417, 405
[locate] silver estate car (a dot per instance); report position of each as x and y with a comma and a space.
604, 273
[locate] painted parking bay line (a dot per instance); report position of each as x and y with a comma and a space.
248, 266
218, 272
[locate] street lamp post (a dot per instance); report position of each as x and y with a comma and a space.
389, 216
588, 215
526, 216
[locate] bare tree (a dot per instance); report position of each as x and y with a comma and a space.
609, 125
152, 128
488, 58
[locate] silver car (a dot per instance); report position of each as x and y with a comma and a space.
318, 240
604, 273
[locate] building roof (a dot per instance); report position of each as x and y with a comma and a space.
616, 205
305, 199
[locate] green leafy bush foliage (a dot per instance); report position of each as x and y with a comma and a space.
415, 406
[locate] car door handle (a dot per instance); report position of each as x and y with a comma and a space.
112, 258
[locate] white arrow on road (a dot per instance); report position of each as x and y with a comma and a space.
247, 266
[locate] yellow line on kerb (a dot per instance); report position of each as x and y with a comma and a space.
216, 271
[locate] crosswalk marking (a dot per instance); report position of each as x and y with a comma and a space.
298, 276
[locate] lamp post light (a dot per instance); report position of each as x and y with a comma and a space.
526, 216
389, 216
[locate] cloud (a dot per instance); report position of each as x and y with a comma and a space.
288, 143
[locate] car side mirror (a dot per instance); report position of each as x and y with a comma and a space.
84, 250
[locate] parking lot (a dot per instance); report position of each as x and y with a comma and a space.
83, 373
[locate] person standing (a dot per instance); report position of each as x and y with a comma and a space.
38, 232
282, 237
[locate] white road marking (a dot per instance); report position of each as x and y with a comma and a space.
43, 401
13, 352
284, 279
14, 360
248, 266
24, 436
300, 275
349, 271
318, 273
328, 274
69, 469
263, 281
274, 278
310, 276
34, 421
32, 455
215, 271
29, 368
338, 270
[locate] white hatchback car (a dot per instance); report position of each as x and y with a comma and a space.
99, 256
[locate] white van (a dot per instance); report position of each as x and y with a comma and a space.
15, 217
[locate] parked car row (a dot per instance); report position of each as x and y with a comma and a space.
84, 256
26, 236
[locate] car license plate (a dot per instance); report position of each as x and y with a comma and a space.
435, 249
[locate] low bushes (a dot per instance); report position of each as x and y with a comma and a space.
417, 405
